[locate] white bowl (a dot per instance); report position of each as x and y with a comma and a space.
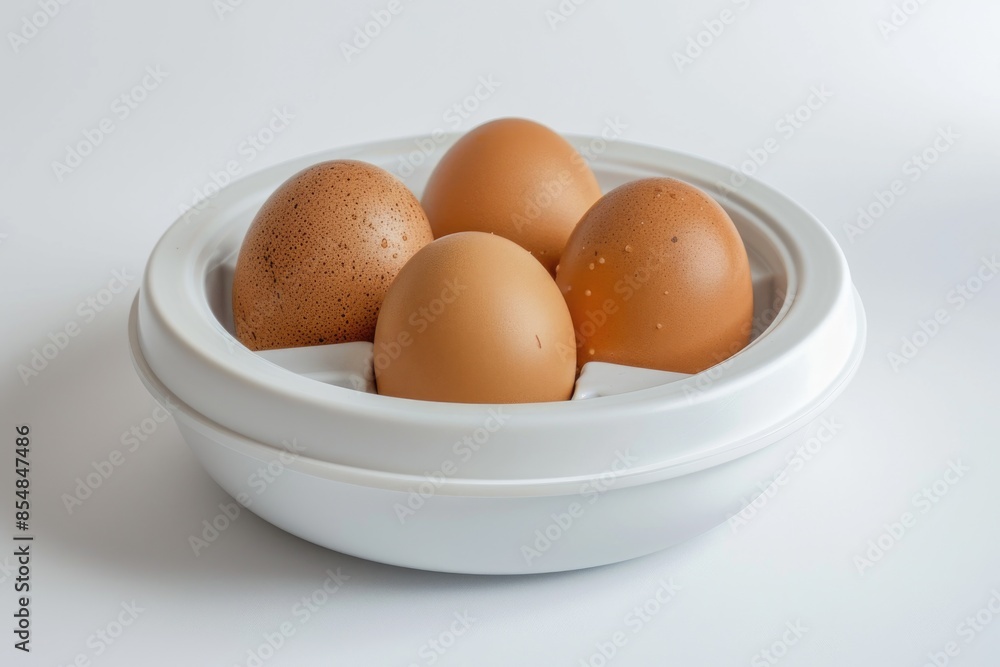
358, 455
467, 526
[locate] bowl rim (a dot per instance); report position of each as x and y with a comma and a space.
195, 328
459, 486
817, 337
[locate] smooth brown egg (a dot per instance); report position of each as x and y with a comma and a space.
656, 276
515, 178
321, 254
472, 318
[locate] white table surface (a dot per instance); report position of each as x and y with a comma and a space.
222, 76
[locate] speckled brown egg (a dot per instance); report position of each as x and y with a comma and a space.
472, 318
515, 178
321, 253
656, 276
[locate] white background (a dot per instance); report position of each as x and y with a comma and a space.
794, 561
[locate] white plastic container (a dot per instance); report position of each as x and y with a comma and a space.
463, 488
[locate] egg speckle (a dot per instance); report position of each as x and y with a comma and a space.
318, 259
676, 292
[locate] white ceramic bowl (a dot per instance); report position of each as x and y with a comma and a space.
484, 478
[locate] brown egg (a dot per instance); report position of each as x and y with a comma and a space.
656, 276
321, 253
514, 178
472, 318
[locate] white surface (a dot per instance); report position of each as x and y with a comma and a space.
894, 431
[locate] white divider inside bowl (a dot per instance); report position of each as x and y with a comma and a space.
350, 365
598, 378
343, 364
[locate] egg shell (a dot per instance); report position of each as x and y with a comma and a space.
515, 178
473, 318
321, 253
657, 276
